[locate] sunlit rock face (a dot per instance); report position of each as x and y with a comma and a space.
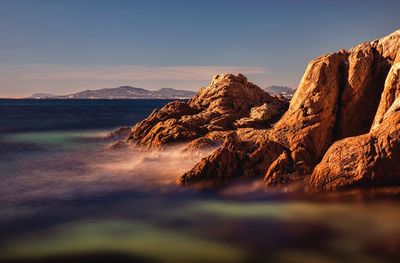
374, 157
341, 128
341, 95
369, 159
227, 99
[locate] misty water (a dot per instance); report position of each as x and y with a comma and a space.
66, 197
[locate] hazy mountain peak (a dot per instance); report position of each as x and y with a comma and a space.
42, 96
121, 92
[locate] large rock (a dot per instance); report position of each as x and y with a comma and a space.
365, 74
222, 165
262, 116
372, 158
245, 153
305, 131
307, 128
364, 160
341, 127
119, 134
390, 93
227, 99
341, 95
162, 126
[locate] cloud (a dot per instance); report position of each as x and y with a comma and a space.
119, 72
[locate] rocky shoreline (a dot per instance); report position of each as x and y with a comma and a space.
340, 130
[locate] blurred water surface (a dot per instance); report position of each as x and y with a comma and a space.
65, 197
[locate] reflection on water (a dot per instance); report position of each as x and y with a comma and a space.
65, 198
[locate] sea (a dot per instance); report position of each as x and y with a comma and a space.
67, 196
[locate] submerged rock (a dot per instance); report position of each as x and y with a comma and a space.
119, 134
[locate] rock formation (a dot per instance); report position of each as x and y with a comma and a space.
226, 101
342, 127
369, 159
374, 157
119, 134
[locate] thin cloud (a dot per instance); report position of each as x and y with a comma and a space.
120, 72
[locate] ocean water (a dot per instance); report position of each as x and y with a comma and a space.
66, 197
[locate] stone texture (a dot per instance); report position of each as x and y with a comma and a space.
364, 79
201, 145
162, 126
263, 116
390, 93
339, 96
340, 130
215, 108
307, 128
388, 46
372, 158
366, 160
119, 134
222, 165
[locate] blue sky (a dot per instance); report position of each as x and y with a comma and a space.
61, 47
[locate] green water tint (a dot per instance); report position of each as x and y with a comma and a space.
355, 226
131, 238
59, 139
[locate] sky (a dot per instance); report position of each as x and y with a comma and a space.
61, 47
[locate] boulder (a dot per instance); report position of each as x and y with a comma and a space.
307, 128
162, 126
348, 97
341, 128
364, 78
263, 116
366, 160
372, 158
390, 93
119, 134
227, 99
224, 164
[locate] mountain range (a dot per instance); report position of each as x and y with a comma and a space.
275, 90
122, 92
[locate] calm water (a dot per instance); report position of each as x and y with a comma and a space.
65, 197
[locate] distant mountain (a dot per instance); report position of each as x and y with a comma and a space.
284, 90
41, 96
123, 92
168, 92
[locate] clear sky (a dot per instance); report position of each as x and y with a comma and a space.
60, 47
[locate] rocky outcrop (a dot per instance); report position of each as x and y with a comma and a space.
366, 160
119, 134
261, 116
245, 153
201, 145
307, 128
366, 70
372, 158
390, 93
162, 126
223, 164
340, 130
218, 107
344, 94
